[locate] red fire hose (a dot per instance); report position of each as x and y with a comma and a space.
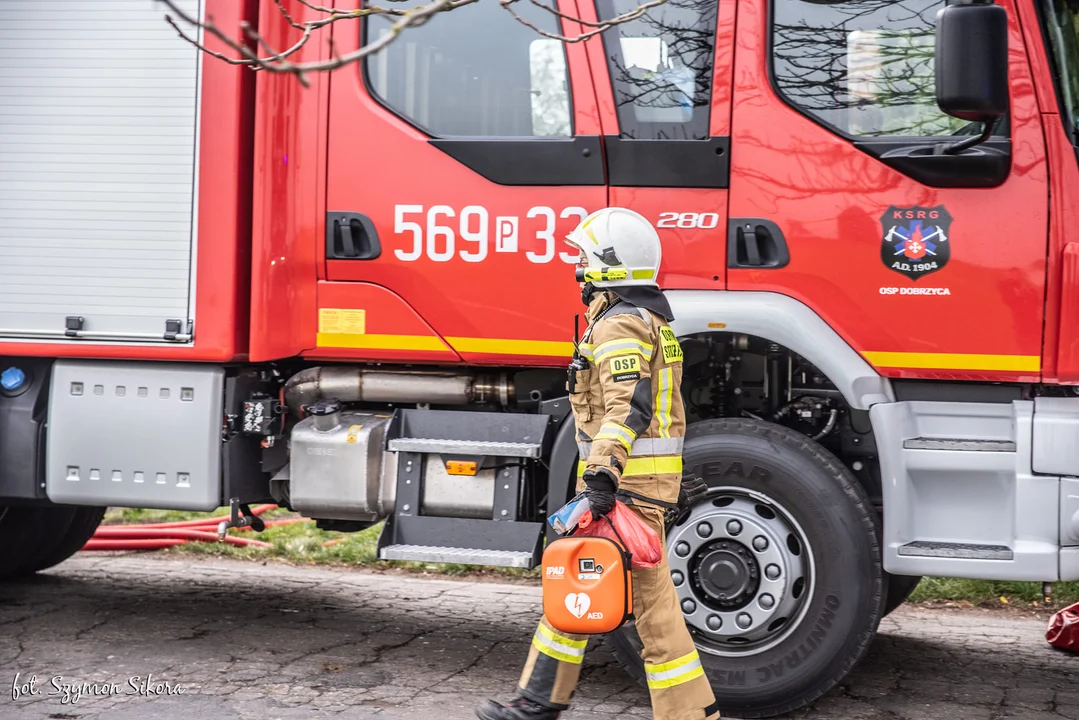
154, 544
157, 536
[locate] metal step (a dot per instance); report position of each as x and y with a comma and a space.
461, 556
959, 444
959, 551
465, 447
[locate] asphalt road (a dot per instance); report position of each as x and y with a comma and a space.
225, 639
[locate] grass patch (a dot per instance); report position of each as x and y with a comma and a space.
985, 593
304, 544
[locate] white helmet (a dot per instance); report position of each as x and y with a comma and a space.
622, 248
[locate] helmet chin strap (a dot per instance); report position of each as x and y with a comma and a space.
588, 293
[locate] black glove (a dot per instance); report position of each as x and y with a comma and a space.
600, 486
692, 489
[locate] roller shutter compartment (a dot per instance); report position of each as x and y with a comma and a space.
98, 171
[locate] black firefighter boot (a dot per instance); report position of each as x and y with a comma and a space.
518, 709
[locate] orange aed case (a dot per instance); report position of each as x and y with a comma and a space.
587, 585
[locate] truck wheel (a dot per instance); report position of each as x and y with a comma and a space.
778, 568
899, 588
36, 538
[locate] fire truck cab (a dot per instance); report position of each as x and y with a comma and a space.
352, 298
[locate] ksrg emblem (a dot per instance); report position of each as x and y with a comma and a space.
916, 240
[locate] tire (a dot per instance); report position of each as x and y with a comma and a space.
81, 529
899, 588
772, 480
36, 538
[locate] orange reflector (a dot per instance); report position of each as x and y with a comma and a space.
460, 467
717, 325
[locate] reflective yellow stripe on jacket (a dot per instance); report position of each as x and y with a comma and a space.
664, 399
643, 446
623, 346
641, 466
621, 433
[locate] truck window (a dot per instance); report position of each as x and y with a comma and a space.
863, 68
661, 67
1062, 30
475, 71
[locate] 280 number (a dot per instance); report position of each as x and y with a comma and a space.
686, 221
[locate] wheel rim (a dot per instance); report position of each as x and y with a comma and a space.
743, 569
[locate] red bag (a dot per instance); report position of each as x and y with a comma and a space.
1063, 631
632, 533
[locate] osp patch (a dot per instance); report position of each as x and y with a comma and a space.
916, 240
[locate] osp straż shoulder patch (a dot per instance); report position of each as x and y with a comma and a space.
672, 350
625, 368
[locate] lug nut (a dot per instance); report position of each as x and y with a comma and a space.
767, 601
771, 572
760, 543
682, 549
678, 578
688, 606
734, 527
715, 622
704, 529
744, 620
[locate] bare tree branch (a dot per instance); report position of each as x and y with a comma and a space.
599, 27
260, 54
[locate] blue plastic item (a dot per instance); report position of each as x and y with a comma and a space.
12, 379
566, 518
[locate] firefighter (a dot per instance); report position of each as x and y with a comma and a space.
630, 423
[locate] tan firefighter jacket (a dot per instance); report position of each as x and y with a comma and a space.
627, 405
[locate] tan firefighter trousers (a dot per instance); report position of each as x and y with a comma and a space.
676, 680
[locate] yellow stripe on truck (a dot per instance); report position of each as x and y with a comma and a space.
542, 348
381, 342
946, 361
489, 346
555, 349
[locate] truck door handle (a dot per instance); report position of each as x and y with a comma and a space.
756, 243
351, 236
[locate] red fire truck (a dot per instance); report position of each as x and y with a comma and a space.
219, 287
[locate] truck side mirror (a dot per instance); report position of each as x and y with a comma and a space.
972, 61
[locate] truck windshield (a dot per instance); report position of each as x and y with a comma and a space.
1062, 29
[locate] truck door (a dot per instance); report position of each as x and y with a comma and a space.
928, 264
460, 156
663, 81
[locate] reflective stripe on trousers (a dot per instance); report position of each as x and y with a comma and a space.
674, 673
643, 447
558, 646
